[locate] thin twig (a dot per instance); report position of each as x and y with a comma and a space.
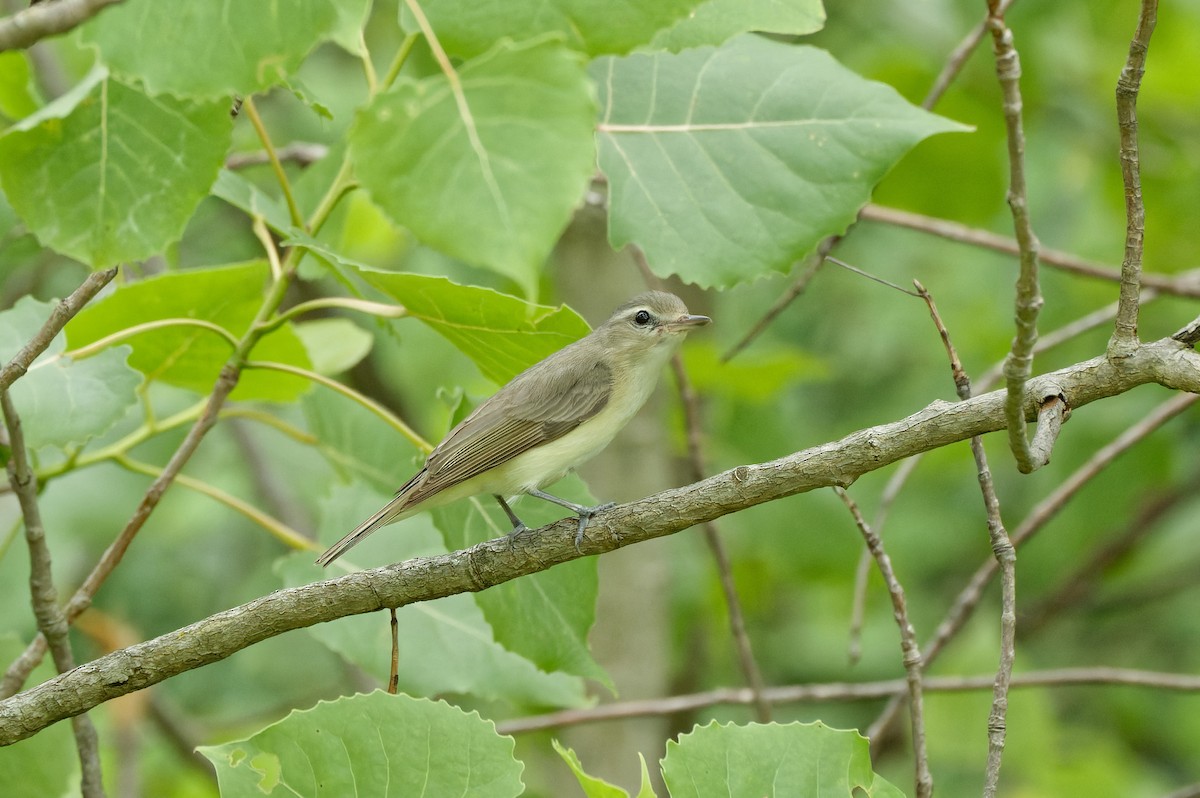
969, 597
958, 58
43, 593
1076, 586
1005, 555
393, 685
1028, 302
1125, 332
1185, 284
891, 492
41, 20
299, 152
63, 312
814, 264
923, 779
848, 691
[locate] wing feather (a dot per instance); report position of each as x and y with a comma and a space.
540, 405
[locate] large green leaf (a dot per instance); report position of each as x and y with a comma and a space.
64, 401
544, 616
725, 164
596, 27
796, 759
504, 335
189, 356
107, 174
716, 21
390, 746
487, 167
446, 645
209, 50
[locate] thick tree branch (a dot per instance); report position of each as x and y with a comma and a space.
1165, 362
47, 19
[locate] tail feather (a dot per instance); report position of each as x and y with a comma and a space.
384, 517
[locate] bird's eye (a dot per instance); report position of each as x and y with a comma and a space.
641, 318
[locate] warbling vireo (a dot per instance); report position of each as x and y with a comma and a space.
549, 419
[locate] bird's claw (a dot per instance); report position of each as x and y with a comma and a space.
585, 515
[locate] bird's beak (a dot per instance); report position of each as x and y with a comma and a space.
687, 321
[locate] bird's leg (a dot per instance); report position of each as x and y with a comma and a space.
518, 524
585, 513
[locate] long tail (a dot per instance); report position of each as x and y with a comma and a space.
387, 515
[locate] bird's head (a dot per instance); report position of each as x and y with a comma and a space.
650, 321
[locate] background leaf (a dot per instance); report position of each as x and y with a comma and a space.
716, 21
726, 164
808, 759
544, 616
63, 401
108, 174
594, 27
373, 744
245, 47
333, 345
502, 334
467, 173
447, 646
190, 357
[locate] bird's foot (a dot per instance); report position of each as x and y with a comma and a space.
585, 514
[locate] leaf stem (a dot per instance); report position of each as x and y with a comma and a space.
276, 166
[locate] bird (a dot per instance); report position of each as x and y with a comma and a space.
547, 420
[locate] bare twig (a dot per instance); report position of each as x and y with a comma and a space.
393, 685
1184, 284
44, 595
1005, 555
63, 312
1019, 364
798, 287
1075, 587
968, 598
913, 667
298, 152
1125, 333
848, 691
858, 608
958, 58
1051, 415
47, 19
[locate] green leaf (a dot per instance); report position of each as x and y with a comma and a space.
18, 97
598, 788
502, 334
63, 401
374, 744
731, 163
447, 645
244, 195
716, 21
188, 356
796, 759
595, 27
352, 15
489, 168
544, 616
107, 174
357, 443
47, 763
209, 50
333, 345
